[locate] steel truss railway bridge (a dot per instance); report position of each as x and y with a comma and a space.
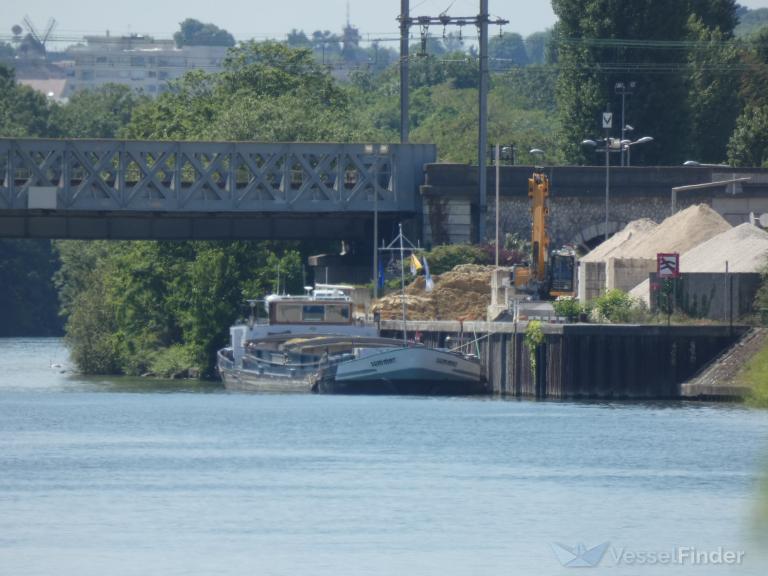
205, 190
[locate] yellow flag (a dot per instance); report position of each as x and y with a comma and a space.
415, 264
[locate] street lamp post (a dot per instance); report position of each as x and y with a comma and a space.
507, 152
624, 90
607, 142
627, 145
611, 145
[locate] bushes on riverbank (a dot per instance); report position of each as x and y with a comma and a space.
162, 307
755, 375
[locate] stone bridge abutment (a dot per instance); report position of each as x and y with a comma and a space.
577, 199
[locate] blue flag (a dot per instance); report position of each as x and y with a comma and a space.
380, 279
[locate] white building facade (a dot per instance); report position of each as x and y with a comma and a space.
141, 62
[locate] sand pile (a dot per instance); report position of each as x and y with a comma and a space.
632, 231
744, 247
678, 233
463, 293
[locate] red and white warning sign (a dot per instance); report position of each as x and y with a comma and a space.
668, 265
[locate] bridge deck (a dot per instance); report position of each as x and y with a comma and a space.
114, 188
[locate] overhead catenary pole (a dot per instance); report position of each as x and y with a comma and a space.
405, 24
402, 285
482, 20
482, 144
498, 206
607, 179
376, 234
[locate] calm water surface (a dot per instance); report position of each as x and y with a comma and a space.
119, 477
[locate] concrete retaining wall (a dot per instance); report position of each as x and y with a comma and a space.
591, 280
717, 296
626, 273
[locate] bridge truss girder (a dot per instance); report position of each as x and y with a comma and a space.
145, 177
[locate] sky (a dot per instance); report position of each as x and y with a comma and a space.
260, 19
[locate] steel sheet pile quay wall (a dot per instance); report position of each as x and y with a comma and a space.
582, 360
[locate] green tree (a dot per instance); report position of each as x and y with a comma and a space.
751, 21
194, 33
748, 145
593, 55
507, 51
713, 108
23, 112
297, 39
28, 301
536, 46
99, 113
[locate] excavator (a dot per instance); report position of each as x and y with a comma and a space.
550, 273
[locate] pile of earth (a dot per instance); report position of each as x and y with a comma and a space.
463, 293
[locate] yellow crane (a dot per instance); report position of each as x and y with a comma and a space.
549, 273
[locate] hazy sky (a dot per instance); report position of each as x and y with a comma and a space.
263, 18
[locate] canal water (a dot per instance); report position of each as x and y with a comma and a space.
125, 477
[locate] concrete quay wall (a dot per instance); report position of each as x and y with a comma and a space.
582, 360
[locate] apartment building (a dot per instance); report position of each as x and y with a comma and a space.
142, 62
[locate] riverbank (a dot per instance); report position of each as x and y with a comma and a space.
755, 375
739, 373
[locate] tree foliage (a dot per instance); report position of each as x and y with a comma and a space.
713, 109
159, 304
591, 64
99, 113
194, 33
748, 145
28, 302
506, 51
23, 112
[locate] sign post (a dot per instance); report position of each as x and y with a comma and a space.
668, 270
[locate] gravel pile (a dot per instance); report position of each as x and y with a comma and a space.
744, 247
632, 231
463, 293
678, 233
